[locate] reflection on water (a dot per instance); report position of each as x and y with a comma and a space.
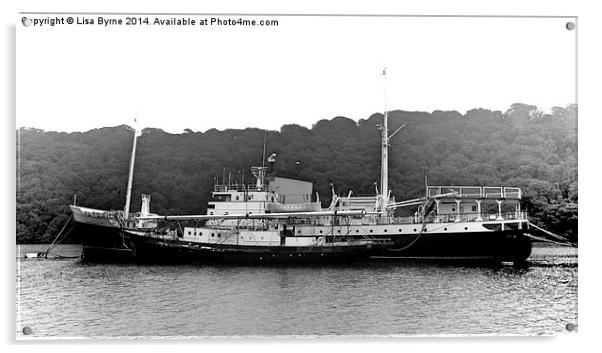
67, 298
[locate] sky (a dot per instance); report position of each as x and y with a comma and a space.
81, 77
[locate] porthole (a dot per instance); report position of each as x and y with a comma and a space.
357, 230
465, 228
444, 228
399, 230
320, 232
414, 229
385, 230
370, 230
189, 232
219, 235
298, 232
339, 231
212, 235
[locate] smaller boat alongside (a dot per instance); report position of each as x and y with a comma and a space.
100, 230
101, 235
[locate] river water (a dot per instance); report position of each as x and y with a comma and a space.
68, 298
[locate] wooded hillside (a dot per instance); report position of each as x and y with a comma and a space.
520, 147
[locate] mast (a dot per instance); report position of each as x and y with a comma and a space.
384, 168
265, 140
126, 209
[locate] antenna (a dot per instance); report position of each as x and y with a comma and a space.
426, 184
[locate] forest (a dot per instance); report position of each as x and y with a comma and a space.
522, 147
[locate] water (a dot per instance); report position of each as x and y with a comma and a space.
67, 298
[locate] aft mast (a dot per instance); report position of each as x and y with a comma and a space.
384, 168
126, 209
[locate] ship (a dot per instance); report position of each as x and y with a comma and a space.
253, 224
451, 222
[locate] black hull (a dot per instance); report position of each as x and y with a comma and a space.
499, 246
152, 250
481, 247
110, 244
103, 244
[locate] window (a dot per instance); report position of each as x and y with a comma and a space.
474, 208
189, 232
237, 198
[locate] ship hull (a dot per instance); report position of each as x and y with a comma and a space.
155, 250
103, 243
497, 246
476, 247
100, 236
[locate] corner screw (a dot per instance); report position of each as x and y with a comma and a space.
570, 26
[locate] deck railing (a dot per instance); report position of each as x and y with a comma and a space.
238, 187
465, 217
477, 192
